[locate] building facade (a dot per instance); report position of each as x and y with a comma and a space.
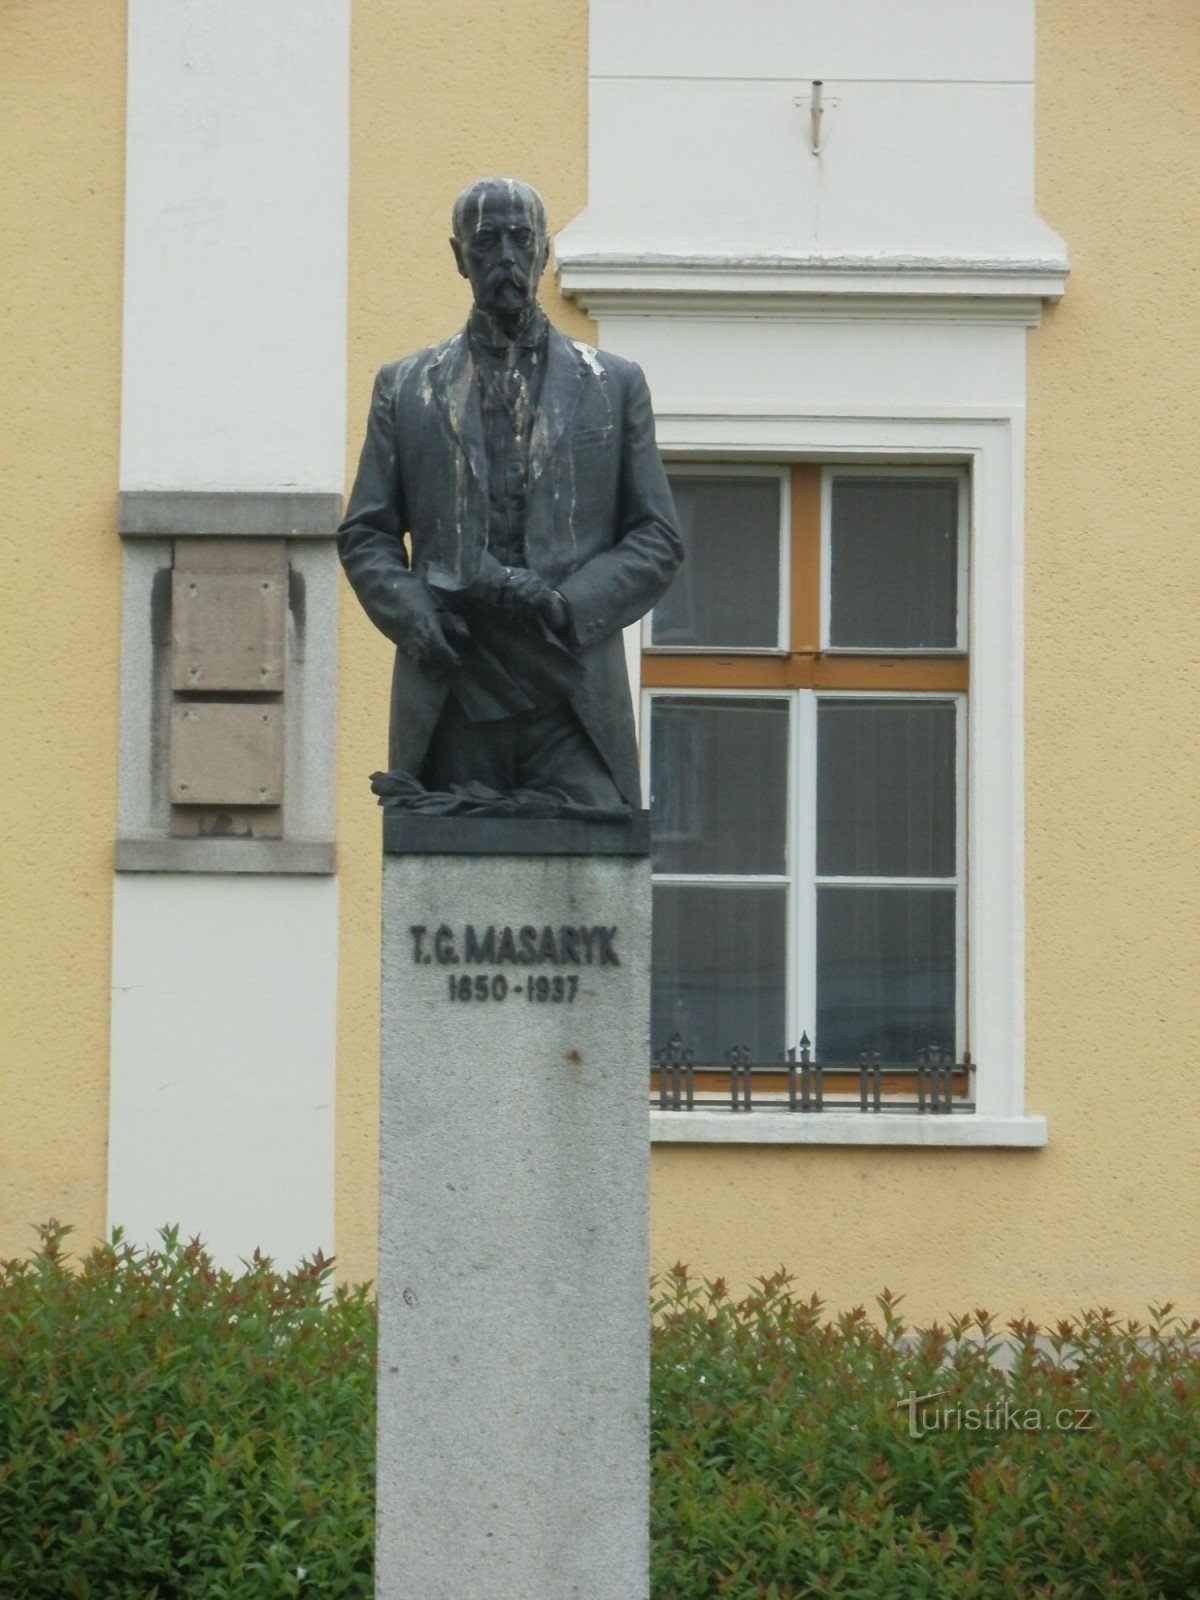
912, 724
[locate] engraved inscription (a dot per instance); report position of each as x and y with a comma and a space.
528, 945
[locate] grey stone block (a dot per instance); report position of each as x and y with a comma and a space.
269, 514
311, 857
514, 1258
417, 833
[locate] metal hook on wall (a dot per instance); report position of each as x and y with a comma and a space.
817, 105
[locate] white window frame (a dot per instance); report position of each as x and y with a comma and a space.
801, 880
988, 444
789, 879
723, 469
958, 882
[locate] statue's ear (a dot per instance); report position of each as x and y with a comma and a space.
456, 246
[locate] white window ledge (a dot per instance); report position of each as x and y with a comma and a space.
958, 1130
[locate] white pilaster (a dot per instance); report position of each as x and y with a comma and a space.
223, 1037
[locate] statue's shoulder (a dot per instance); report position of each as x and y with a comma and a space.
410, 370
602, 363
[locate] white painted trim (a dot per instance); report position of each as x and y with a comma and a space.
631, 640
236, 219
723, 880
959, 1130
794, 41
857, 288
962, 872
802, 986
990, 445
223, 1036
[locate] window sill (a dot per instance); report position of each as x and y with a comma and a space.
958, 1130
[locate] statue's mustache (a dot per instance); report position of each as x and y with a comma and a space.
506, 276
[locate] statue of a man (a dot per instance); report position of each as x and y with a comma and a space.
522, 467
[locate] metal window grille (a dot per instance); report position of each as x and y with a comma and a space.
934, 1084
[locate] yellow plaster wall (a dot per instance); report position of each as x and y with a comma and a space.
62, 86
1108, 1212
1112, 583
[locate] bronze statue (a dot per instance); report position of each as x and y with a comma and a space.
523, 468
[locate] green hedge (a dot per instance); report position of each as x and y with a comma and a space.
785, 1463
170, 1431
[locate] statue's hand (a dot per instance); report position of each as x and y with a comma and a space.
489, 583
430, 642
554, 611
527, 596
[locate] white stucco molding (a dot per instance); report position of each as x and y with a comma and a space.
989, 441
933, 288
958, 1131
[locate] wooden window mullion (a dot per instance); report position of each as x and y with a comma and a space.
806, 561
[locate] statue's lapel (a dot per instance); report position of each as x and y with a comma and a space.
452, 379
560, 395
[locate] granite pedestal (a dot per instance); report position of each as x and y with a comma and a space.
513, 1256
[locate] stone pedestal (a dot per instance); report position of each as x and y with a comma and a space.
513, 1253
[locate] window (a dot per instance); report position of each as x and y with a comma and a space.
805, 714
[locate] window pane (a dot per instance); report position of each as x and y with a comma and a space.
894, 564
727, 592
719, 959
886, 788
885, 972
718, 784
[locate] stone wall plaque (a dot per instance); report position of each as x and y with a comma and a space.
226, 753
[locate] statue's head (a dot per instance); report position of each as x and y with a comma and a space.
501, 246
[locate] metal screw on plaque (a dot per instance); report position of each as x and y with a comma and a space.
739, 1075
675, 1060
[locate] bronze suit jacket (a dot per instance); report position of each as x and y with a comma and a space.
600, 522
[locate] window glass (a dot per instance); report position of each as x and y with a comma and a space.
886, 788
885, 972
720, 968
726, 595
718, 784
807, 818
894, 564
